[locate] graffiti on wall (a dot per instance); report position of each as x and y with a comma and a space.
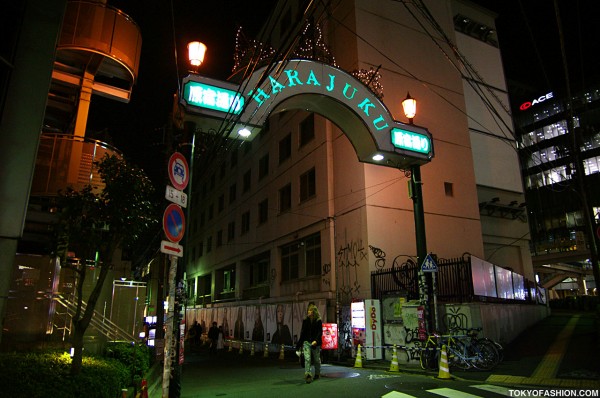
349, 257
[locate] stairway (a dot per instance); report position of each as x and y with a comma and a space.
104, 325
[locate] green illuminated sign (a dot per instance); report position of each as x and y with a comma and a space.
411, 141
212, 97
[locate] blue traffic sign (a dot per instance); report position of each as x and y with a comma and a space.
174, 222
429, 264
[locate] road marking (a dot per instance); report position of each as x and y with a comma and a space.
491, 388
548, 367
396, 394
450, 393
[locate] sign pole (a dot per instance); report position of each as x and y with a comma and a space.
169, 342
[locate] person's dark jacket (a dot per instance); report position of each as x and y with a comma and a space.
311, 331
213, 333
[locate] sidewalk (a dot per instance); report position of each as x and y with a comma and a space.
562, 350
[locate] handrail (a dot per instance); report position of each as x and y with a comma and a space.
104, 325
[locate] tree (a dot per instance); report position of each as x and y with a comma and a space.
94, 223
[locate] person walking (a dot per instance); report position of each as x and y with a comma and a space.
310, 342
213, 336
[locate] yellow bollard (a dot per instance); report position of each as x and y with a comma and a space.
282, 352
444, 372
394, 365
252, 349
358, 362
266, 352
241, 347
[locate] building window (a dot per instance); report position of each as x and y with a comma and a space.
204, 287
285, 198
234, 157
232, 193
212, 182
312, 246
202, 219
247, 181
289, 262
285, 148
223, 170
200, 249
263, 167
221, 203
230, 231
307, 130
220, 238
263, 211
245, 222
208, 244
307, 185
229, 280
449, 189
211, 212
247, 145
259, 272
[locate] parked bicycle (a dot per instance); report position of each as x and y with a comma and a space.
462, 350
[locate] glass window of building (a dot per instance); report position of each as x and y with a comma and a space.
307, 130
245, 222
220, 238
285, 148
232, 193
247, 181
312, 246
308, 185
230, 231
263, 211
221, 203
285, 198
289, 262
263, 167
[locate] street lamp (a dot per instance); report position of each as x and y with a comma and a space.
409, 105
196, 52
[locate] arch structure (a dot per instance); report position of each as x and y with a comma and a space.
316, 87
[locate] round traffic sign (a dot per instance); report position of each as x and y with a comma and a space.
179, 173
174, 222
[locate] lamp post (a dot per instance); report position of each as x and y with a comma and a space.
172, 378
409, 106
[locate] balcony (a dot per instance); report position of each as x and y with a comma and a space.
99, 48
66, 161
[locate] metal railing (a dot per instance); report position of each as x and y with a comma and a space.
104, 325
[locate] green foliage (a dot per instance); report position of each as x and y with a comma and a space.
135, 357
47, 375
118, 215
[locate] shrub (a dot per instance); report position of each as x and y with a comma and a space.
47, 375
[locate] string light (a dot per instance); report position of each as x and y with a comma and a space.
370, 78
310, 46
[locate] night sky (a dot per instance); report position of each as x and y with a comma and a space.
527, 31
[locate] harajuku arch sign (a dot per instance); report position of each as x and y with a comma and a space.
316, 87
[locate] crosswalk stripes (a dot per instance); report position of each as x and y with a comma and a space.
486, 389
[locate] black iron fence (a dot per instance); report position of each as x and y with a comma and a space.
453, 281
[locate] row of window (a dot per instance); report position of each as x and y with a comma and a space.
299, 259
307, 190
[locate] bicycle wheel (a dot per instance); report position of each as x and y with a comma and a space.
485, 355
457, 355
429, 358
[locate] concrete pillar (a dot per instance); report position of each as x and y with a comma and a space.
21, 122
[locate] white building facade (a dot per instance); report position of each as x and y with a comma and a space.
292, 216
